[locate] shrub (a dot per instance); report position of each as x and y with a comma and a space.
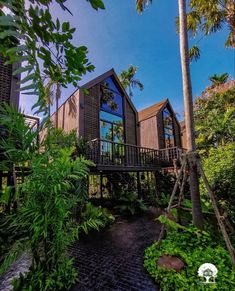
219, 168
129, 203
94, 218
195, 248
49, 194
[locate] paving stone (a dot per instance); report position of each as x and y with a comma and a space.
112, 259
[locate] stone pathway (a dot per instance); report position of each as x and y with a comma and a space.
113, 258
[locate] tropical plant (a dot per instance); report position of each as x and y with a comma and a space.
53, 93
31, 36
128, 80
217, 80
44, 222
188, 106
50, 193
129, 203
210, 16
94, 218
194, 248
222, 177
215, 120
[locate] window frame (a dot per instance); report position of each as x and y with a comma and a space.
165, 128
122, 116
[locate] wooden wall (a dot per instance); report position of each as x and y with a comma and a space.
130, 124
177, 133
68, 114
8, 83
148, 133
91, 113
152, 131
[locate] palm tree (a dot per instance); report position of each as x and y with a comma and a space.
127, 78
218, 80
188, 105
209, 16
53, 92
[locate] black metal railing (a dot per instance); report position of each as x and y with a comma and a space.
104, 152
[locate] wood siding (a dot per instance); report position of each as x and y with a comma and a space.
91, 113
152, 131
8, 83
177, 133
148, 133
130, 124
68, 114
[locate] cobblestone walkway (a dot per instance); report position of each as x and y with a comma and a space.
113, 259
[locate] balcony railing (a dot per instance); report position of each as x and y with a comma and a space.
108, 153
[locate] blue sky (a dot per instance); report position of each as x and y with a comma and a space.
118, 36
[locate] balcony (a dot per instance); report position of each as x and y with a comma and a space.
108, 155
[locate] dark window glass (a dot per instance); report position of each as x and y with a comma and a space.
168, 129
106, 130
111, 112
111, 99
111, 131
108, 83
110, 117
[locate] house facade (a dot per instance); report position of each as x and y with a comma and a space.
120, 138
100, 109
9, 87
159, 127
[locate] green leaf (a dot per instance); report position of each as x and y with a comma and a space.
28, 87
27, 78
97, 4
65, 26
22, 70
8, 20
194, 53
8, 33
17, 49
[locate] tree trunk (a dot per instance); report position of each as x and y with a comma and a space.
56, 112
188, 107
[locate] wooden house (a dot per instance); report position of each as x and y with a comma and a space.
159, 127
102, 113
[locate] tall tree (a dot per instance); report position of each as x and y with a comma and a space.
188, 106
209, 16
128, 80
217, 80
30, 35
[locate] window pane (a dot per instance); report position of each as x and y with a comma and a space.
110, 84
111, 101
110, 117
168, 128
118, 133
106, 130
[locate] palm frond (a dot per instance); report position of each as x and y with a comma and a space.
194, 53
142, 4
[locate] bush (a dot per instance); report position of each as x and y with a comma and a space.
129, 203
195, 248
219, 168
94, 218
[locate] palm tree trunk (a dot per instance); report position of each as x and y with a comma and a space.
189, 122
56, 112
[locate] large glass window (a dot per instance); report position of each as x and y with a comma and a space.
111, 112
168, 129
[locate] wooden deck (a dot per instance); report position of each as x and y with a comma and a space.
112, 156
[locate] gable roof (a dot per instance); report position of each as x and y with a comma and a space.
152, 110
99, 79
102, 77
